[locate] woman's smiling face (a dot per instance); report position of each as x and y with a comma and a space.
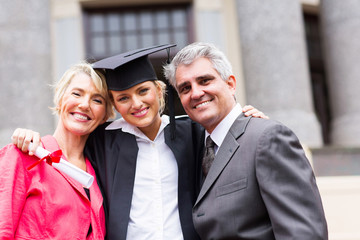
82, 107
139, 105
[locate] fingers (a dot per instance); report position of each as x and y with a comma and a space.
22, 138
251, 111
18, 137
14, 136
247, 108
260, 115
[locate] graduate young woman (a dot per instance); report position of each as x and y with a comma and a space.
43, 203
147, 170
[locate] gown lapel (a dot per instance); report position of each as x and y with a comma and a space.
120, 177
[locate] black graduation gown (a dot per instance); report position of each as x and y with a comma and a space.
113, 154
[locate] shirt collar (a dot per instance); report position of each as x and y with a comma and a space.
219, 133
127, 127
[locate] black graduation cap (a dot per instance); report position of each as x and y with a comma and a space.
128, 69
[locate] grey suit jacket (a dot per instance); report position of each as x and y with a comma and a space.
260, 186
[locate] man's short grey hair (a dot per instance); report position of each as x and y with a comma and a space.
196, 50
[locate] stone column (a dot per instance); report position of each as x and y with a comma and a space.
212, 18
340, 22
275, 63
25, 69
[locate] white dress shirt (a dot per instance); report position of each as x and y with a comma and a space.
219, 133
154, 210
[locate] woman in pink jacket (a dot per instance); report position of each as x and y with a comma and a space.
43, 203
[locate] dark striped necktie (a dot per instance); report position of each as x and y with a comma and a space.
209, 155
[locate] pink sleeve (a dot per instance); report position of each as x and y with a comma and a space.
14, 182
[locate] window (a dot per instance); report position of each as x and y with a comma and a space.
112, 31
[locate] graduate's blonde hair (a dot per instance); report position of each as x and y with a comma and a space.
162, 87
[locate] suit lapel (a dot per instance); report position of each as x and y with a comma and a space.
224, 154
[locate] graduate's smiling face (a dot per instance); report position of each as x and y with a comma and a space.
82, 107
139, 105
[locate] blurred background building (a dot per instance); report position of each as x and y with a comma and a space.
295, 60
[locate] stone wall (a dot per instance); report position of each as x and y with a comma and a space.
25, 67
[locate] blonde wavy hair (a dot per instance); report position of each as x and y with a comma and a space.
162, 87
97, 78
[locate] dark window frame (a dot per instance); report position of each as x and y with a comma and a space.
137, 10
317, 73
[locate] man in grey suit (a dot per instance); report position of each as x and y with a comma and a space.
260, 185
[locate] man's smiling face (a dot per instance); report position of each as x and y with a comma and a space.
205, 96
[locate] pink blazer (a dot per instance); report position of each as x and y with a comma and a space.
43, 203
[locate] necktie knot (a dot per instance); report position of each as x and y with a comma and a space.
209, 143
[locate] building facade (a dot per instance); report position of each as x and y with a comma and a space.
294, 60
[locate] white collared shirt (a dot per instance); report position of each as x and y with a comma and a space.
154, 212
219, 133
